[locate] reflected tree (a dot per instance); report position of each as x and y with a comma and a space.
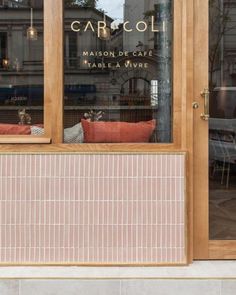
219, 25
81, 3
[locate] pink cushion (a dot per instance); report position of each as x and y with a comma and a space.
14, 129
117, 132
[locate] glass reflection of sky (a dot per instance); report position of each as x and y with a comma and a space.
112, 8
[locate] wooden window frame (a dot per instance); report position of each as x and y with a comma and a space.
52, 141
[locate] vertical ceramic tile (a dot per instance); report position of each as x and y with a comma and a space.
92, 208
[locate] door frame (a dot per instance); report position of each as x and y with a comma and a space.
200, 134
203, 247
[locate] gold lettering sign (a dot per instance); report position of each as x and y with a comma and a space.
140, 26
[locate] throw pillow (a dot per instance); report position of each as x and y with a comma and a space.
117, 132
14, 129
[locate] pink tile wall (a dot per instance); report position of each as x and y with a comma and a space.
92, 209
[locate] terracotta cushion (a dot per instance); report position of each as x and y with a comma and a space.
117, 132
14, 129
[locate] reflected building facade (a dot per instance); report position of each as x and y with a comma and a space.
142, 81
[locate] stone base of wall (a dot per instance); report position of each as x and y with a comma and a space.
205, 278
118, 287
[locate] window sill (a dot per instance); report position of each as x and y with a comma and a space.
37, 147
24, 139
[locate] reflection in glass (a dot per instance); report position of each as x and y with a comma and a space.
118, 61
21, 67
222, 124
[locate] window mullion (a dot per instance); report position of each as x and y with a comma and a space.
54, 69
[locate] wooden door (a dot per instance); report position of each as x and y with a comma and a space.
221, 245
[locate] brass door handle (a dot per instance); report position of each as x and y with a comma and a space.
206, 95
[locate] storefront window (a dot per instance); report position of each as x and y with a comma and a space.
222, 124
21, 67
118, 71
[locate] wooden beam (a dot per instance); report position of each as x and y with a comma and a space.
54, 69
23, 139
222, 249
200, 163
187, 113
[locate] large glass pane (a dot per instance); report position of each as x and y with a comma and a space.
21, 67
222, 125
118, 71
